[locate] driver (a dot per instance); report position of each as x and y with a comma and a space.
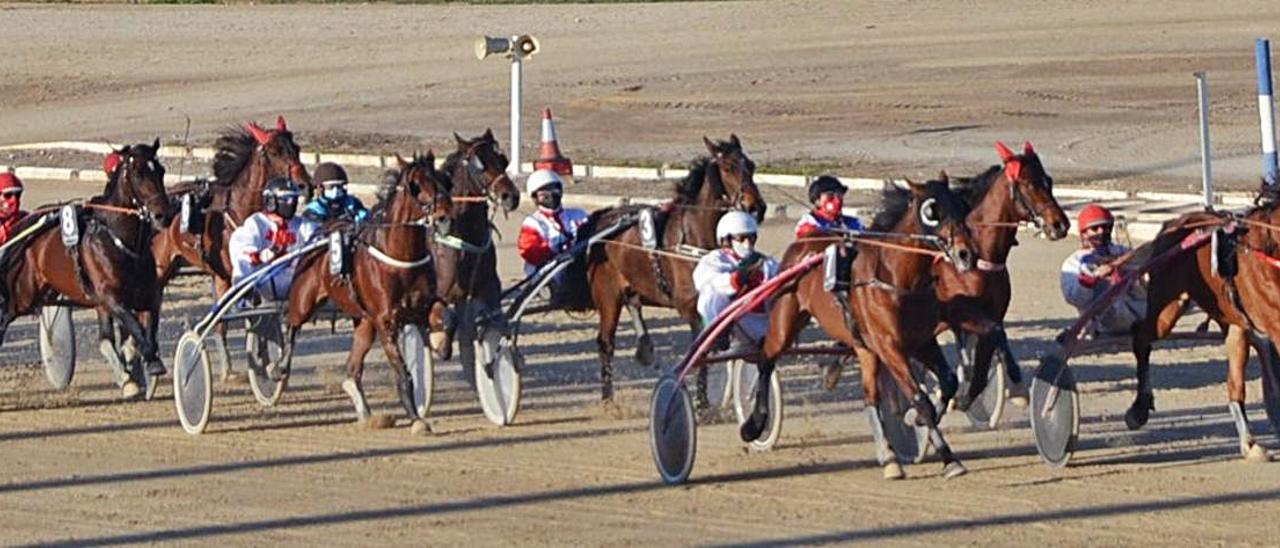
551, 229
1089, 272
731, 271
826, 194
333, 202
11, 212
268, 234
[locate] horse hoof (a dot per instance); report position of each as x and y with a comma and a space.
1018, 395
130, 390
1255, 453
753, 428
954, 469
644, 351
420, 428
1021, 402
831, 375
893, 471
379, 422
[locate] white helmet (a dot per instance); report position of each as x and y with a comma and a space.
541, 179
735, 223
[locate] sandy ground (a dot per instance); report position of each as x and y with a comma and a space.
877, 89
84, 468
873, 88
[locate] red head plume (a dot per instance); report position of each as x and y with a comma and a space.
1027, 149
110, 164
1005, 153
280, 126
258, 133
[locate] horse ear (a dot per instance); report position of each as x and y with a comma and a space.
711, 147
488, 135
942, 176
400, 161
461, 142
280, 125
733, 138
430, 158
156, 145
1005, 153
259, 134
1027, 149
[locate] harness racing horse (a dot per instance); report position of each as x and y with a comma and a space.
887, 314
100, 259
975, 301
247, 159
625, 272
1239, 294
390, 281
466, 260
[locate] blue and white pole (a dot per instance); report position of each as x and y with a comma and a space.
1266, 109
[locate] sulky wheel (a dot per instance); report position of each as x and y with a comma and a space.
988, 408
497, 385
1055, 410
192, 378
266, 331
57, 345
673, 431
745, 377
910, 442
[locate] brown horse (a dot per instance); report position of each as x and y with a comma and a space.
1241, 295
623, 273
887, 315
246, 160
466, 261
110, 268
975, 301
391, 282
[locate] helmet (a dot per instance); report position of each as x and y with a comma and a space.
281, 197
1094, 215
825, 183
541, 179
9, 181
328, 174
111, 162
735, 223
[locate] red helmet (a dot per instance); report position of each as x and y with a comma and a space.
8, 181
1094, 215
111, 162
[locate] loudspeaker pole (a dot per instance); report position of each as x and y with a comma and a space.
517, 73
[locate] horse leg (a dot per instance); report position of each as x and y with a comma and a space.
129, 387
404, 381
362, 341
609, 306
869, 366
220, 288
1237, 344
933, 358
443, 324
926, 414
644, 343
1152, 328
786, 320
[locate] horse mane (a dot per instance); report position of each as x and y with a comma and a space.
235, 147
687, 189
893, 205
389, 188
971, 190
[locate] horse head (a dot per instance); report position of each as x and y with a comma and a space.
430, 189
736, 172
484, 162
276, 153
1032, 189
934, 210
136, 180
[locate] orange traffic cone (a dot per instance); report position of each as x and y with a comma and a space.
549, 156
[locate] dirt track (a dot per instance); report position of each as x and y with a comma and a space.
878, 88
83, 468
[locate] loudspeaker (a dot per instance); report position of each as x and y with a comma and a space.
524, 44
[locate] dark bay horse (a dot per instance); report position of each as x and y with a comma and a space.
246, 160
888, 314
975, 301
466, 258
392, 280
1241, 295
110, 268
622, 272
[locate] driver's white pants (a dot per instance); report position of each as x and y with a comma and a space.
754, 324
